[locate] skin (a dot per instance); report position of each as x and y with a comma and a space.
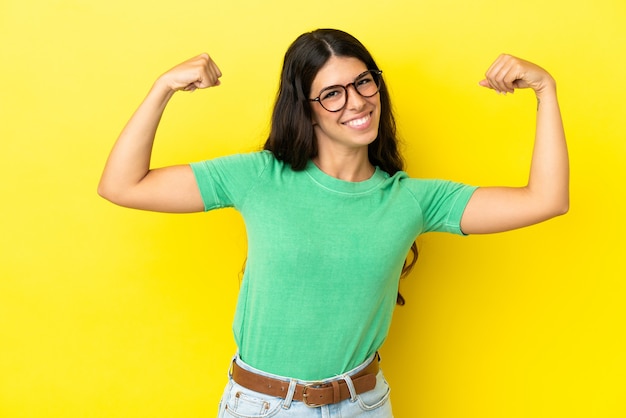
127, 179
343, 137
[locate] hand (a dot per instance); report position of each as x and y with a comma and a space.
508, 73
196, 73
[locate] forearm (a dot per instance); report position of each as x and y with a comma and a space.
549, 173
129, 160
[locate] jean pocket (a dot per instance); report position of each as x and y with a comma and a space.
377, 397
240, 402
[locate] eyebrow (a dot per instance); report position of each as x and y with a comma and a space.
344, 85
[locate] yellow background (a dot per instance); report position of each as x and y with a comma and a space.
110, 312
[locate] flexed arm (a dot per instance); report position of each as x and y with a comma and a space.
497, 209
127, 179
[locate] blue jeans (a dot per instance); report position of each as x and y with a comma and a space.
239, 402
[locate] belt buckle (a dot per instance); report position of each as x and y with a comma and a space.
306, 395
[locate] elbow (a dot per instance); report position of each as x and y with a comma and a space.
563, 204
119, 195
565, 207
559, 211
552, 203
104, 190
559, 208
104, 193
109, 193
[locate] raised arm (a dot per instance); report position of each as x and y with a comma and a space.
497, 209
127, 179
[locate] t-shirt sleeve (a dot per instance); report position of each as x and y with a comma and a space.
442, 204
225, 181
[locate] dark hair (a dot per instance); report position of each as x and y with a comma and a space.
292, 138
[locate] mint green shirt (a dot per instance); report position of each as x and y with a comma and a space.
324, 257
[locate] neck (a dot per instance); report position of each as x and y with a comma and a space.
348, 167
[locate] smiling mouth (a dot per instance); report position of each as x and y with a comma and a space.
356, 123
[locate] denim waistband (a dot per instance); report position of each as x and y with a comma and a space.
357, 369
294, 382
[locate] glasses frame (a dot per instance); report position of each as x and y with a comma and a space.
375, 73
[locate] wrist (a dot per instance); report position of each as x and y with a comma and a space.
547, 90
162, 88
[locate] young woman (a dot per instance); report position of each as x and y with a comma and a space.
330, 218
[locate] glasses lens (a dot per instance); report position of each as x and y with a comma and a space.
333, 98
368, 84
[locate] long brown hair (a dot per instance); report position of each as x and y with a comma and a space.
292, 138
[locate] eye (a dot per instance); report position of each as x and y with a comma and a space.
331, 93
366, 79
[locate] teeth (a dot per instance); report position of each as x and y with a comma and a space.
358, 122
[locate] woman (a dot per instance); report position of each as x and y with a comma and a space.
330, 217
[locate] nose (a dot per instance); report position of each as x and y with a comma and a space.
354, 99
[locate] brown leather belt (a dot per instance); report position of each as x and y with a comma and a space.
313, 394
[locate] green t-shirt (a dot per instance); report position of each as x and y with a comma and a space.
324, 257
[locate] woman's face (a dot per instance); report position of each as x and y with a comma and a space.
356, 125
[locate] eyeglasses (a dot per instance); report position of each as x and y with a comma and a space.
334, 98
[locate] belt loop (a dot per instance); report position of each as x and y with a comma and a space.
351, 388
290, 393
336, 391
234, 360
